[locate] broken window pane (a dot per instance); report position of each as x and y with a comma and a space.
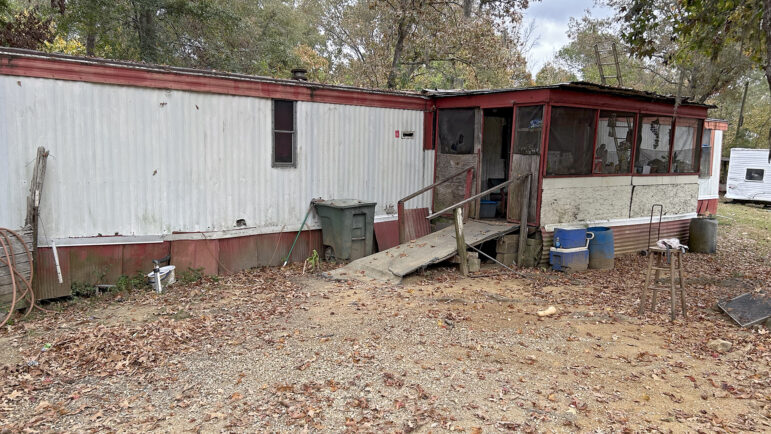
456, 131
705, 166
527, 137
653, 145
686, 153
283, 133
571, 141
613, 146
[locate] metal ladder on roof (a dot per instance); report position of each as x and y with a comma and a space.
608, 57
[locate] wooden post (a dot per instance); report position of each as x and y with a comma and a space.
523, 219
461, 240
35, 191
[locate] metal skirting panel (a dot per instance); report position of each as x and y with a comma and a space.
416, 225
630, 238
104, 264
137, 161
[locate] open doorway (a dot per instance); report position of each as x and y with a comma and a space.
496, 140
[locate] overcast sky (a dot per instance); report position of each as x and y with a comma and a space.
551, 25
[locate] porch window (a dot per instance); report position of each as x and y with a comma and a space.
653, 144
527, 137
685, 155
705, 166
456, 131
284, 134
613, 145
571, 139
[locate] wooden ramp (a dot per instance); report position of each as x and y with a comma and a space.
393, 264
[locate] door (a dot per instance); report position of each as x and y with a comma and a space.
526, 158
459, 139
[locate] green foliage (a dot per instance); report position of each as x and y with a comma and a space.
83, 290
703, 33
191, 275
313, 260
131, 283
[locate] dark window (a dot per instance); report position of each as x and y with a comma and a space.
685, 155
283, 134
527, 137
653, 139
705, 166
456, 131
613, 146
754, 175
571, 139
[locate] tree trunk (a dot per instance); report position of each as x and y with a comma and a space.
148, 35
401, 34
467, 8
90, 43
767, 30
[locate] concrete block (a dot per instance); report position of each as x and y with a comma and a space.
507, 244
506, 258
474, 264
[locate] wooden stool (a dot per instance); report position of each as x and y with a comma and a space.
657, 261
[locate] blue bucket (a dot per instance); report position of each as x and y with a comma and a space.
601, 248
569, 238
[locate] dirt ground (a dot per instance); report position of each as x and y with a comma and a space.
276, 350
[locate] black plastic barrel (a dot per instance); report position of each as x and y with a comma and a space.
601, 248
703, 235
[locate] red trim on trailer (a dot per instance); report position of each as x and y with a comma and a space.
633, 155
511, 155
594, 141
605, 102
199, 82
542, 162
493, 100
428, 117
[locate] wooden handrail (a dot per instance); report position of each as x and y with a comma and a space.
437, 183
469, 171
476, 196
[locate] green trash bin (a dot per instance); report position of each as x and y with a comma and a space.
347, 228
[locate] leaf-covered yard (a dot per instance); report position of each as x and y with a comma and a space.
276, 350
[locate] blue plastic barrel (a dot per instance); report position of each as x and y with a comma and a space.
601, 250
569, 238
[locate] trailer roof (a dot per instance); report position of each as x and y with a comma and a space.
580, 86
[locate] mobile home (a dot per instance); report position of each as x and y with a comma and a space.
749, 175
218, 169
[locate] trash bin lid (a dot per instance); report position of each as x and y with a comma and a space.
344, 203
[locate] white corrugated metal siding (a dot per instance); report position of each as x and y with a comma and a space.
736, 185
138, 161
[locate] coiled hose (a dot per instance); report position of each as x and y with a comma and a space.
21, 286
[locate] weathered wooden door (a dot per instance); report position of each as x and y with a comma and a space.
459, 140
526, 158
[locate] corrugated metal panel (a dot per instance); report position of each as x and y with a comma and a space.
416, 224
739, 188
138, 161
630, 238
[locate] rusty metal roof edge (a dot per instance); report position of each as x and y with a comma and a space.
19, 52
582, 86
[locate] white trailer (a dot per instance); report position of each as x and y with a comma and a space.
749, 175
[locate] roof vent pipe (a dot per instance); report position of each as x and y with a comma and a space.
300, 74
